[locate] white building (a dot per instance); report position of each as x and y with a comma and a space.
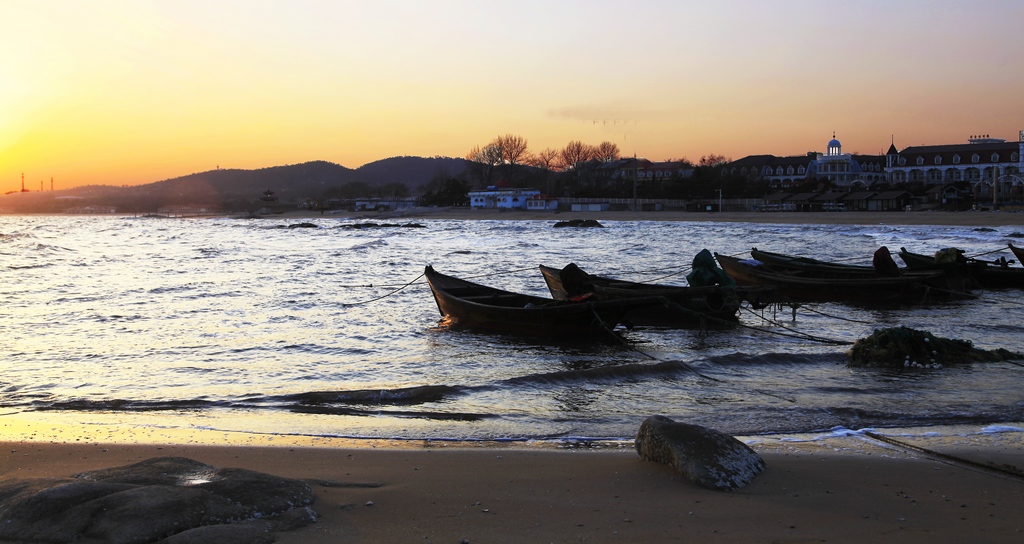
493, 197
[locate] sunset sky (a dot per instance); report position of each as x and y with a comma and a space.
135, 91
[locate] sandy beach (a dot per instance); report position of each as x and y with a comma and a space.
824, 491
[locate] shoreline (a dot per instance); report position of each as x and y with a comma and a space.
936, 218
970, 219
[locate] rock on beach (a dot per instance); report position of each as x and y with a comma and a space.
704, 456
164, 499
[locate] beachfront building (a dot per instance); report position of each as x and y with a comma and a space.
979, 164
840, 170
383, 204
493, 197
542, 203
779, 172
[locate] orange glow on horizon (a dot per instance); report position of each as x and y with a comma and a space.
121, 92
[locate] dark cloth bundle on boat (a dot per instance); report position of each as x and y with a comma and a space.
706, 272
884, 265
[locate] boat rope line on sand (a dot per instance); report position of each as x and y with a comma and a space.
1002, 471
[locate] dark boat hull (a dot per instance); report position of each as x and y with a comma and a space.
797, 287
682, 307
985, 274
812, 267
474, 306
1017, 252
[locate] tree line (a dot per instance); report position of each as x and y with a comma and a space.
575, 170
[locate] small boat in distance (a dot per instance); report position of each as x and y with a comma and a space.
684, 307
473, 306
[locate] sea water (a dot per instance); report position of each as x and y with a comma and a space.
325, 328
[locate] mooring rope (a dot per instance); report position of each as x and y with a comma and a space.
962, 462
794, 333
383, 296
813, 311
989, 253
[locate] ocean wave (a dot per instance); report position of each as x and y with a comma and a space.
629, 371
401, 396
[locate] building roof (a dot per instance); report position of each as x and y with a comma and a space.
834, 195
891, 195
860, 195
946, 153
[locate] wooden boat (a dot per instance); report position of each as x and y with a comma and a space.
779, 262
987, 274
954, 279
474, 306
797, 285
1017, 252
683, 307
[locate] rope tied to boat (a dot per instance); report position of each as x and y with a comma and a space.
347, 304
794, 333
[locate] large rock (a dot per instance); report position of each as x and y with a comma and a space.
903, 347
704, 456
170, 498
578, 223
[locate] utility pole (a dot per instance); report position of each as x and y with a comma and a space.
995, 186
634, 182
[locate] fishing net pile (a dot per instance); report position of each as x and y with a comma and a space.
903, 347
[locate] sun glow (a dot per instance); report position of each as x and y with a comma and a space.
128, 92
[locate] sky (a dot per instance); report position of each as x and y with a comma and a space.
126, 92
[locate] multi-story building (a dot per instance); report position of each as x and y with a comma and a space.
842, 170
981, 162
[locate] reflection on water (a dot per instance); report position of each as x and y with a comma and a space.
243, 326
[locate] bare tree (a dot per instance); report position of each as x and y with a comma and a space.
513, 148
514, 152
712, 160
482, 162
574, 153
607, 152
546, 159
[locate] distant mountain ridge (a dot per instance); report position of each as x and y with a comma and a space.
312, 178
290, 183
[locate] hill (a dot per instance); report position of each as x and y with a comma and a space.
236, 189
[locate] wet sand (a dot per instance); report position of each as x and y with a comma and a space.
845, 491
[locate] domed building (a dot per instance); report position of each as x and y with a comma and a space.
842, 170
